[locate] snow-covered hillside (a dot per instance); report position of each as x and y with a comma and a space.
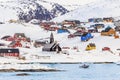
99, 8
32, 9
71, 4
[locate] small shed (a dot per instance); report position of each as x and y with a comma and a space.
105, 49
9, 52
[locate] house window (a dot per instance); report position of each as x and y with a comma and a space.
9, 51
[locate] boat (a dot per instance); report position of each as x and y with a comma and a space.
118, 63
22, 74
84, 66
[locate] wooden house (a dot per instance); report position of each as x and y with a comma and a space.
108, 32
60, 30
75, 34
70, 23
95, 20
92, 30
117, 24
15, 44
39, 43
86, 36
90, 46
99, 26
50, 26
7, 38
108, 19
46, 24
21, 37
9, 52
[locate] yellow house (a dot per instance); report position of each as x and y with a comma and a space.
90, 46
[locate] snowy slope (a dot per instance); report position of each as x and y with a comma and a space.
71, 4
32, 9
100, 8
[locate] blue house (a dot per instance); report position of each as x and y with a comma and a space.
62, 31
86, 36
91, 20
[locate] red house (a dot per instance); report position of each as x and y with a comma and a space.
9, 52
46, 24
21, 37
8, 38
15, 44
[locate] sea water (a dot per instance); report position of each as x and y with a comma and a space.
70, 72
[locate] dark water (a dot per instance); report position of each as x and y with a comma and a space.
71, 72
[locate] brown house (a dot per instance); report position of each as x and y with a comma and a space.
108, 19
108, 32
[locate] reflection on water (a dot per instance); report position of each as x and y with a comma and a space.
71, 72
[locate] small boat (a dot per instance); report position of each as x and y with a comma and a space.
22, 74
84, 66
118, 63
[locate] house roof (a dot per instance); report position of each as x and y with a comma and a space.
4, 37
9, 50
48, 46
12, 43
20, 34
107, 29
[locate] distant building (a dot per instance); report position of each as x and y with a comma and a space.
15, 44
95, 20
70, 23
39, 43
52, 46
108, 19
21, 37
108, 32
7, 38
86, 36
9, 52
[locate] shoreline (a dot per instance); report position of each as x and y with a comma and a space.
33, 69
29, 70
